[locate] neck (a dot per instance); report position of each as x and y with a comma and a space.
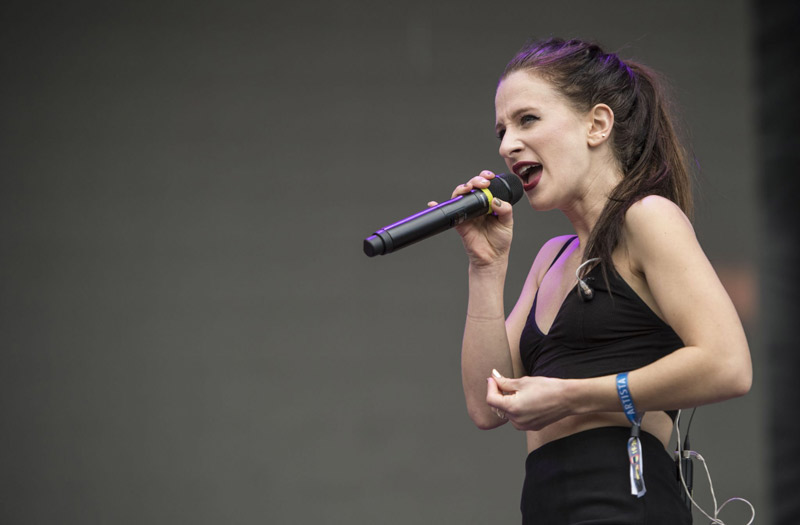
585, 211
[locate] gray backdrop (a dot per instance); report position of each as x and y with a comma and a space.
190, 330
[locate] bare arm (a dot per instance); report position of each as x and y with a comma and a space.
715, 363
713, 366
487, 241
485, 343
490, 341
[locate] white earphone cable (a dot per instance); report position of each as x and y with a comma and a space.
715, 519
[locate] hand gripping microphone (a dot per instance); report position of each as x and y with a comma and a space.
506, 187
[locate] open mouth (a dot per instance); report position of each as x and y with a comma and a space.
530, 174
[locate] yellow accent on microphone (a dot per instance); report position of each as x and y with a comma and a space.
491, 198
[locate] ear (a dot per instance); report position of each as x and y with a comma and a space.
601, 123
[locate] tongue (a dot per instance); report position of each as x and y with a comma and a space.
532, 172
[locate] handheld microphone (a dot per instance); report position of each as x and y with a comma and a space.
507, 187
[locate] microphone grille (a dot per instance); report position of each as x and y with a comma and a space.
507, 187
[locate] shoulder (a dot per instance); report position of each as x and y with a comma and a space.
547, 253
554, 245
550, 249
654, 211
655, 227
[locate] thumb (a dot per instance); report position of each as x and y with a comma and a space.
505, 384
494, 396
498, 206
502, 210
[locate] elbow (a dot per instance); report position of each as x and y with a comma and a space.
486, 424
743, 384
734, 387
738, 380
484, 420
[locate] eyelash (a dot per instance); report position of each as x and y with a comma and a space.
523, 120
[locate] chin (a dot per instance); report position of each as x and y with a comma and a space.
539, 204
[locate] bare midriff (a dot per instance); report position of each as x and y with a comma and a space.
658, 424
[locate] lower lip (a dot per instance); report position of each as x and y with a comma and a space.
533, 182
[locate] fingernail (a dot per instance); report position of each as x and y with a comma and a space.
496, 374
497, 202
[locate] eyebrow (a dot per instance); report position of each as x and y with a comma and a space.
516, 113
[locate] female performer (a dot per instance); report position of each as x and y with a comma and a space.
624, 317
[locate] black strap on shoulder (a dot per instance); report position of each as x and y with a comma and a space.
561, 251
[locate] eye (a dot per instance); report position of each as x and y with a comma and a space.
527, 119
500, 134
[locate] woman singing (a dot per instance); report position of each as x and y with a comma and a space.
624, 318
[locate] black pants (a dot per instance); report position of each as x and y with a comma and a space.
584, 479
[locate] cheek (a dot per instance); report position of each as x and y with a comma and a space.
560, 136
569, 135
567, 147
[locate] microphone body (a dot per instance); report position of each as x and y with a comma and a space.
443, 216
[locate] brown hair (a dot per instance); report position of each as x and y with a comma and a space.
644, 140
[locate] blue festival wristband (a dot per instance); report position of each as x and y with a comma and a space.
627, 400
634, 443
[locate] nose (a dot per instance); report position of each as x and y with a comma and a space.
509, 145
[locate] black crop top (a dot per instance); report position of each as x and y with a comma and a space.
614, 332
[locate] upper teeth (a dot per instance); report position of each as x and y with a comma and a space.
526, 169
